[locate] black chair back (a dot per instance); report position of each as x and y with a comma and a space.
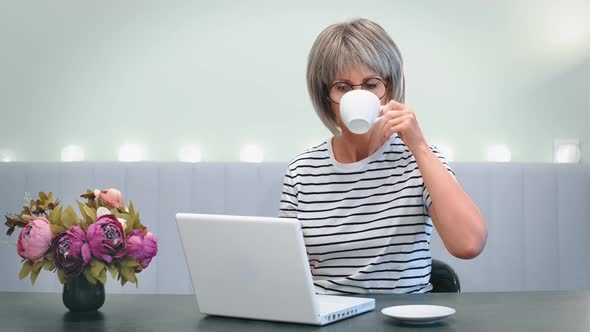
443, 278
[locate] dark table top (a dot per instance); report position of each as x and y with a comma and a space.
512, 311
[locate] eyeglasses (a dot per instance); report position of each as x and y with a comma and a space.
374, 85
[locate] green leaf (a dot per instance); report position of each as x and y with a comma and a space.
121, 278
51, 217
96, 268
13, 221
55, 229
129, 262
47, 265
35, 272
113, 270
129, 274
125, 216
85, 216
102, 277
37, 266
133, 220
25, 270
137, 224
92, 204
88, 195
88, 213
60, 276
129, 225
91, 213
84, 225
89, 277
85, 221
55, 215
34, 276
115, 212
69, 217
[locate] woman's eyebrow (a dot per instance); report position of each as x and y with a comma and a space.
338, 80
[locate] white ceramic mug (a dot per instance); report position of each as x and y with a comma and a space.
359, 109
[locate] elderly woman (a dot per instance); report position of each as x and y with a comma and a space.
367, 203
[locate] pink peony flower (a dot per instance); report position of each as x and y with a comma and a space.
107, 238
71, 251
142, 245
111, 198
34, 239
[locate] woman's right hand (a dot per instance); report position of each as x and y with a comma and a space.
401, 119
380, 128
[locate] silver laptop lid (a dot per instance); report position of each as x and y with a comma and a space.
250, 267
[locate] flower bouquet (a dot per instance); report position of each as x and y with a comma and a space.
107, 237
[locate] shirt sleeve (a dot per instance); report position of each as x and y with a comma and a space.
289, 201
425, 195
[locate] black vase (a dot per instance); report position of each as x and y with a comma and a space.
80, 295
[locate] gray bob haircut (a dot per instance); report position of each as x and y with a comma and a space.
357, 42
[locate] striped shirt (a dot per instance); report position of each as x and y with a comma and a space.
365, 224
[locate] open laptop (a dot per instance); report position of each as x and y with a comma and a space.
256, 267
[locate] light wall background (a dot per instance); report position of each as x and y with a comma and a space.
221, 74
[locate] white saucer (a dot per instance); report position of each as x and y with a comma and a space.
418, 314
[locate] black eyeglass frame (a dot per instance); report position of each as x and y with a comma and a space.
361, 84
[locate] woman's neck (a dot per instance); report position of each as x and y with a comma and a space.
350, 148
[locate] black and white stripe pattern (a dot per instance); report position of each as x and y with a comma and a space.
366, 225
